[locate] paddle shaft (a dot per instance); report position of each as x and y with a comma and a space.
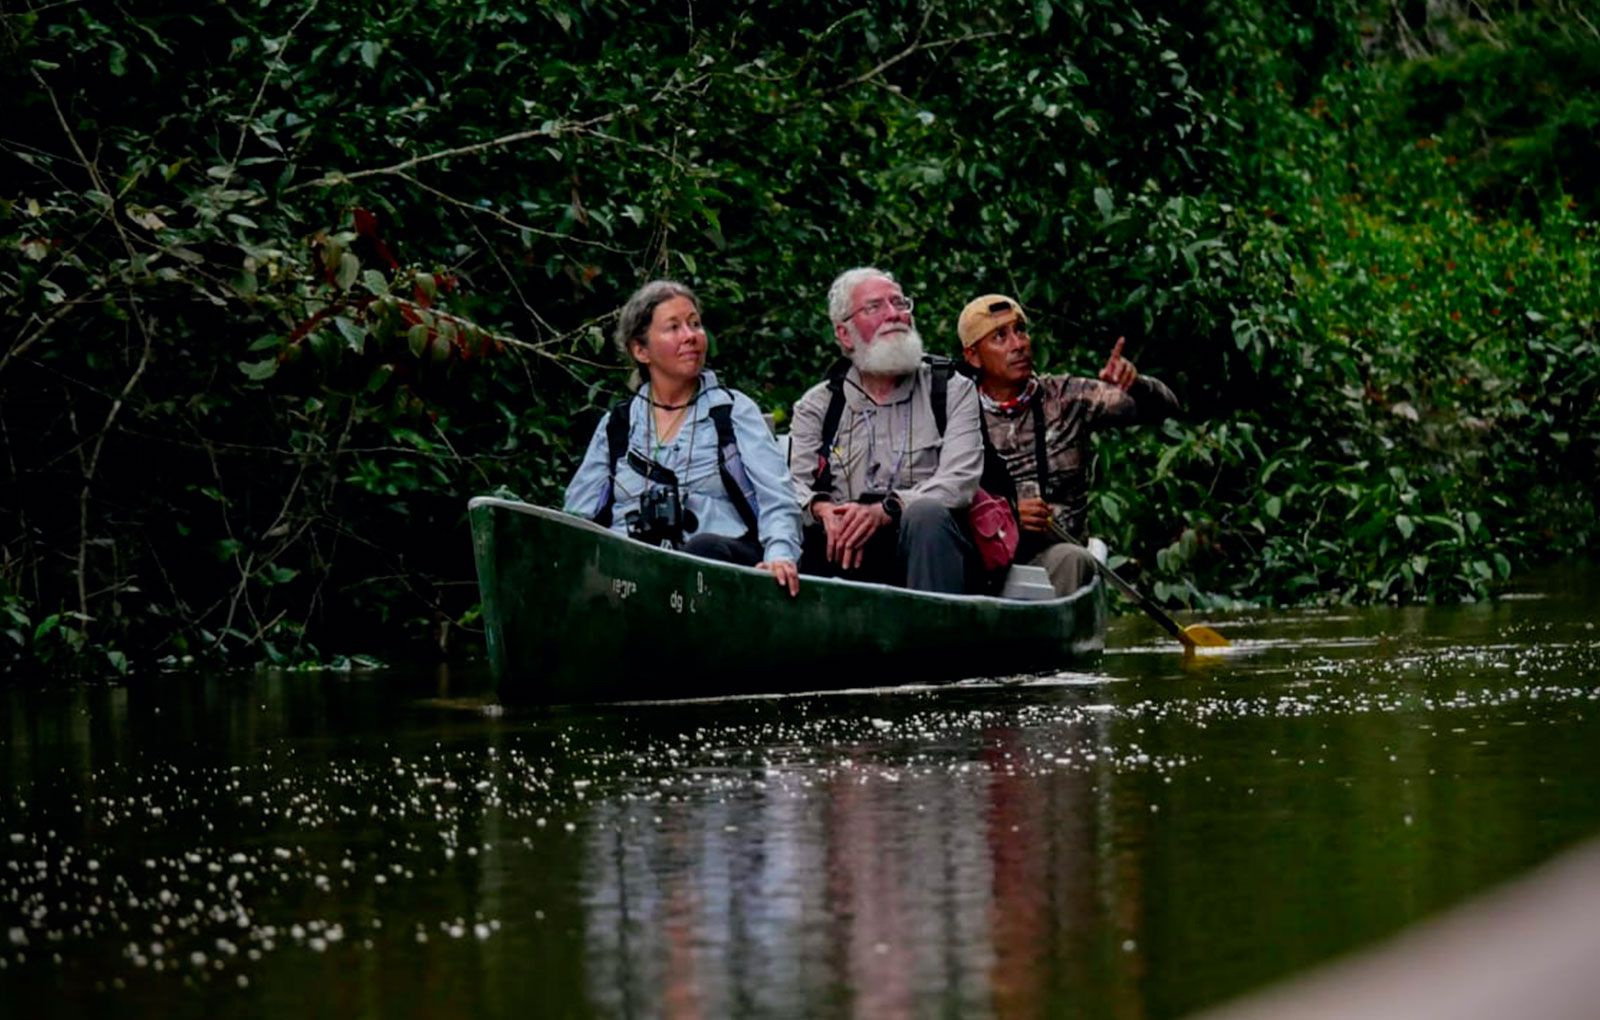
1139, 599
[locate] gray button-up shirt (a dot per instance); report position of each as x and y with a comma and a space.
894, 446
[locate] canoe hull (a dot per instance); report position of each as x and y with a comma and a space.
575, 613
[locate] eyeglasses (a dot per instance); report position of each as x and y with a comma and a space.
877, 305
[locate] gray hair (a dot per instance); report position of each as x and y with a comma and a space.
844, 288
633, 322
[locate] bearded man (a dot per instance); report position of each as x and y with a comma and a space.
885, 480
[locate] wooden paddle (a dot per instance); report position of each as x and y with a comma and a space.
1191, 637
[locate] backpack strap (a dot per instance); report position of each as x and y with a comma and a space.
822, 475
939, 392
731, 467
996, 478
616, 448
729, 464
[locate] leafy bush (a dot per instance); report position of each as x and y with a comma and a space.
280, 297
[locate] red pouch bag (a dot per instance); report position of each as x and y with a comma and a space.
994, 530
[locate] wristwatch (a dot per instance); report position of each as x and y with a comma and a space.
893, 507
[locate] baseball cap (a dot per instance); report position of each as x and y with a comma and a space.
984, 315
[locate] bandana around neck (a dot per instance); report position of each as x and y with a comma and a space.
1015, 405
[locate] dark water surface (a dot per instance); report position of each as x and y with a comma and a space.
1139, 839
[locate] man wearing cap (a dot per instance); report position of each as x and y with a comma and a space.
1040, 424
883, 486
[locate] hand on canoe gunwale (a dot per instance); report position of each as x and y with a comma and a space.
784, 572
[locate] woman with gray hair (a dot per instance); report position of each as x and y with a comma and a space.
685, 462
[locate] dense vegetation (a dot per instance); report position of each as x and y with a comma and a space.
283, 283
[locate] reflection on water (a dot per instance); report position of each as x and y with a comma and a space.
1138, 839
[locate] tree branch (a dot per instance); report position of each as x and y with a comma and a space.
504, 141
94, 461
255, 104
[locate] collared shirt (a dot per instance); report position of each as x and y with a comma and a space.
1073, 408
893, 446
692, 456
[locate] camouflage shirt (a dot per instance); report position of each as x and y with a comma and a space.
1073, 408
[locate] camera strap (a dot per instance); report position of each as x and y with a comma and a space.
653, 471
729, 464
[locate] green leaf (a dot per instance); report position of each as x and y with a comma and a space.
1042, 12
274, 574
1274, 507
355, 334
417, 339
1103, 202
1111, 507
1405, 525
325, 346
256, 371
439, 348
349, 269
46, 625
375, 281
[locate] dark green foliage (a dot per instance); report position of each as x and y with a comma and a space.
284, 284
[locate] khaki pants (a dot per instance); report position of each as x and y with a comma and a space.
1069, 566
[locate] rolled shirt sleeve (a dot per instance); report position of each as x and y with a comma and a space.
805, 438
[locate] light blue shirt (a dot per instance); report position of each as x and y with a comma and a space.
692, 456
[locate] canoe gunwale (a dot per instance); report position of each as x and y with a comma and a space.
701, 563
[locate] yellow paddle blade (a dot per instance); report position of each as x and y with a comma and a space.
1204, 637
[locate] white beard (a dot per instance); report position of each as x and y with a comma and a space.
895, 352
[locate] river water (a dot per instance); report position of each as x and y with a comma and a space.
1142, 837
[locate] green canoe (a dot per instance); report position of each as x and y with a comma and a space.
575, 613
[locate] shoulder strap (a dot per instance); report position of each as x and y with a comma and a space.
616, 449
939, 394
1041, 456
731, 467
822, 476
830, 419
996, 478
